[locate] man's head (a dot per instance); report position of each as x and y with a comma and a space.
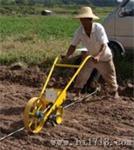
86, 12
86, 21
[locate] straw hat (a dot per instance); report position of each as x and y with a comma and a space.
86, 12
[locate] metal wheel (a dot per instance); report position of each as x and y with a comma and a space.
34, 114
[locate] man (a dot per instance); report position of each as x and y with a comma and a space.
93, 36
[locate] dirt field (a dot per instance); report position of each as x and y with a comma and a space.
100, 123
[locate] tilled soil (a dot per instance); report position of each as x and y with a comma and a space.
97, 123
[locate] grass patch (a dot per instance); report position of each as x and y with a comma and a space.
33, 52
45, 27
37, 40
60, 25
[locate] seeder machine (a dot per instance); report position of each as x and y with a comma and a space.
48, 105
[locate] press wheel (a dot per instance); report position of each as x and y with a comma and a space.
34, 114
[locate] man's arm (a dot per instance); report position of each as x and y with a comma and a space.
70, 51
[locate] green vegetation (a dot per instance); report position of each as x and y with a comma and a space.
34, 38
59, 25
37, 40
55, 2
44, 27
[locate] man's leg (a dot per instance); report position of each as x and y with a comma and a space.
107, 70
90, 86
83, 76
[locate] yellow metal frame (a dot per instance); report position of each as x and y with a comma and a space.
61, 96
55, 64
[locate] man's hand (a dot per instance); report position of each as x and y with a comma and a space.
64, 57
69, 53
96, 59
84, 55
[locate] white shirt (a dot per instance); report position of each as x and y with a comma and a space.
93, 44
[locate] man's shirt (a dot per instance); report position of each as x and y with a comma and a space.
93, 43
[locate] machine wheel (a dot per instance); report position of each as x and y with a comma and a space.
34, 114
117, 49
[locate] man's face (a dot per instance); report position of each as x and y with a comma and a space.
86, 21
